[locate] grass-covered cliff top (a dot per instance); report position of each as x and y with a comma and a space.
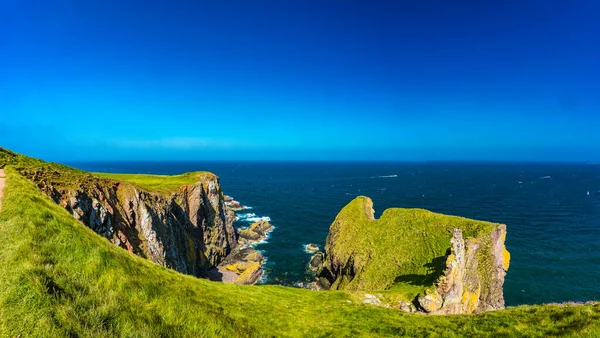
65, 177
402, 252
164, 184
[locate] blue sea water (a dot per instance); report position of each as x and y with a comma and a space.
552, 211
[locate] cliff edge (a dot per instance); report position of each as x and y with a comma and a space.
415, 260
189, 229
180, 222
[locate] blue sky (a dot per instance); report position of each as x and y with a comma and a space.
300, 80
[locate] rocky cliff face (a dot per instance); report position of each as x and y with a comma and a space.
473, 276
415, 260
190, 230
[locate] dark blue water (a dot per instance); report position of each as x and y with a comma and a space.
552, 211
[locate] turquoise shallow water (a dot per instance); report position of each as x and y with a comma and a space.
552, 211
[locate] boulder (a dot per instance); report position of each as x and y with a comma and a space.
311, 247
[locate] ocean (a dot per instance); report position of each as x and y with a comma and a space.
552, 211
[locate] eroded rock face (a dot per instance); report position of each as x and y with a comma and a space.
473, 278
189, 231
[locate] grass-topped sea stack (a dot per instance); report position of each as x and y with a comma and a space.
416, 260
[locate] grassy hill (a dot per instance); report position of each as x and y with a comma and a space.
58, 278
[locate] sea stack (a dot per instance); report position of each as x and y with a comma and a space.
425, 262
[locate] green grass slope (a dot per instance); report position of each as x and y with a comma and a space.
58, 278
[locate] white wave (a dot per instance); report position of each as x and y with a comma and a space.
308, 251
256, 219
545, 177
244, 216
385, 176
263, 277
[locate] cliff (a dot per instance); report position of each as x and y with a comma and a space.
180, 222
415, 260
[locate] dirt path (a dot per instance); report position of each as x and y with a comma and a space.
2, 183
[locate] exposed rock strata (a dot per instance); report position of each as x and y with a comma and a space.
190, 230
473, 278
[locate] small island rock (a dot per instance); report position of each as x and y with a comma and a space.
312, 247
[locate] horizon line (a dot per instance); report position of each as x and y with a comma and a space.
590, 162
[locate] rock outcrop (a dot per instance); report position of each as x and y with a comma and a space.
257, 232
418, 260
311, 247
233, 204
189, 230
316, 262
244, 263
243, 266
473, 278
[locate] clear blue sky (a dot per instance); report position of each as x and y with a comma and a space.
270, 80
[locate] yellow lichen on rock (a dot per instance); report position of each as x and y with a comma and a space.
470, 301
248, 276
431, 301
237, 267
254, 256
505, 259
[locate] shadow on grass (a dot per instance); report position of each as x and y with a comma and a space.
436, 269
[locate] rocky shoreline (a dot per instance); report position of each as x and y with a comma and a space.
244, 264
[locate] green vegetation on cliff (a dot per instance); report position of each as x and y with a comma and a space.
64, 177
164, 184
402, 252
59, 279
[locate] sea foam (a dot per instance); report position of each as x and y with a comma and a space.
241, 217
256, 219
251, 217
